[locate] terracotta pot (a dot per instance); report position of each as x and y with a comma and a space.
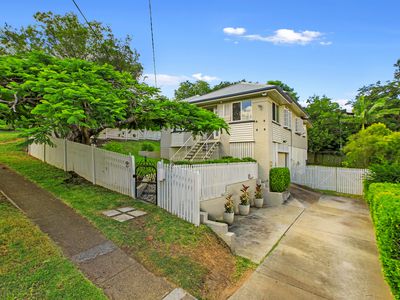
259, 202
229, 217
244, 209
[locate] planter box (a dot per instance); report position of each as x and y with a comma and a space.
150, 154
275, 199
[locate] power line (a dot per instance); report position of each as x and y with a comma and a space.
152, 44
90, 26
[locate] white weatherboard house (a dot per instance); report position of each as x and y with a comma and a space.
265, 124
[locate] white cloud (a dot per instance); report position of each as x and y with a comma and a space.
287, 36
200, 76
325, 43
165, 79
234, 30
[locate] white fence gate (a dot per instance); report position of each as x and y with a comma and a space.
178, 191
111, 170
342, 180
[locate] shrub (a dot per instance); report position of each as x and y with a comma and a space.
384, 202
384, 172
279, 179
229, 204
147, 147
223, 160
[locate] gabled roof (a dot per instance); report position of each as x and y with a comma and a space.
241, 89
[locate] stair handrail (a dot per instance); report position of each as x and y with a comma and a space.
203, 142
183, 146
211, 148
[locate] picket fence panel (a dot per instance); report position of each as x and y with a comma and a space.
342, 180
178, 191
111, 170
215, 177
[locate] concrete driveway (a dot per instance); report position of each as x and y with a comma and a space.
329, 252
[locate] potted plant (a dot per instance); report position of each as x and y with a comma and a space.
244, 206
229, 213
258, 195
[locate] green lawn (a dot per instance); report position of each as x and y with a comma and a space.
32, 267
191, 257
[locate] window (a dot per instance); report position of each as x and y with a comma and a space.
287, 118
275, 112
299, 126
241, 111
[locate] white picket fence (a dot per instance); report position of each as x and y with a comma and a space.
342, 180
130, 135
111, 170
181, 188
215, 177
178, 191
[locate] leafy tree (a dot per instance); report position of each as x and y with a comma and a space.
77, 99
331, 125
375, 145
189, 89
63, 36
380, 102
289, 90
367, 111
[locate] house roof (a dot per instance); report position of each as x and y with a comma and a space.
241, 89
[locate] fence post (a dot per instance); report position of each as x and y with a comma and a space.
93, 164
65, 156
133, 181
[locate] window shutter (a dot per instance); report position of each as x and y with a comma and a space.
227, 111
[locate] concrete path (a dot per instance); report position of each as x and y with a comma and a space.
120, 276
328, 253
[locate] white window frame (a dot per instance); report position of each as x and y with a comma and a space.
275, 117
241, 111
287, 118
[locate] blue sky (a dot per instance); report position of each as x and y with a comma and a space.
330, 47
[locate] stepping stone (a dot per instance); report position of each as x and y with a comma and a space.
123, 218
137, 213
125, 209
111, 213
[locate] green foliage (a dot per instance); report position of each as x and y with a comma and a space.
374, 145
384, 172
279, 179
380, 102
77, 99
223, 160
147, 147
229, 205
189, 89
245, 195
331, 126
289, 90
64, 36
384, 202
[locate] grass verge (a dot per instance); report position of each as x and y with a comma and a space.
189, 256
32, 267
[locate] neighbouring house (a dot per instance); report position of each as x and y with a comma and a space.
265, 124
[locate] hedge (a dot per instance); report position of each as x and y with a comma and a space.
384, 202
279, 179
